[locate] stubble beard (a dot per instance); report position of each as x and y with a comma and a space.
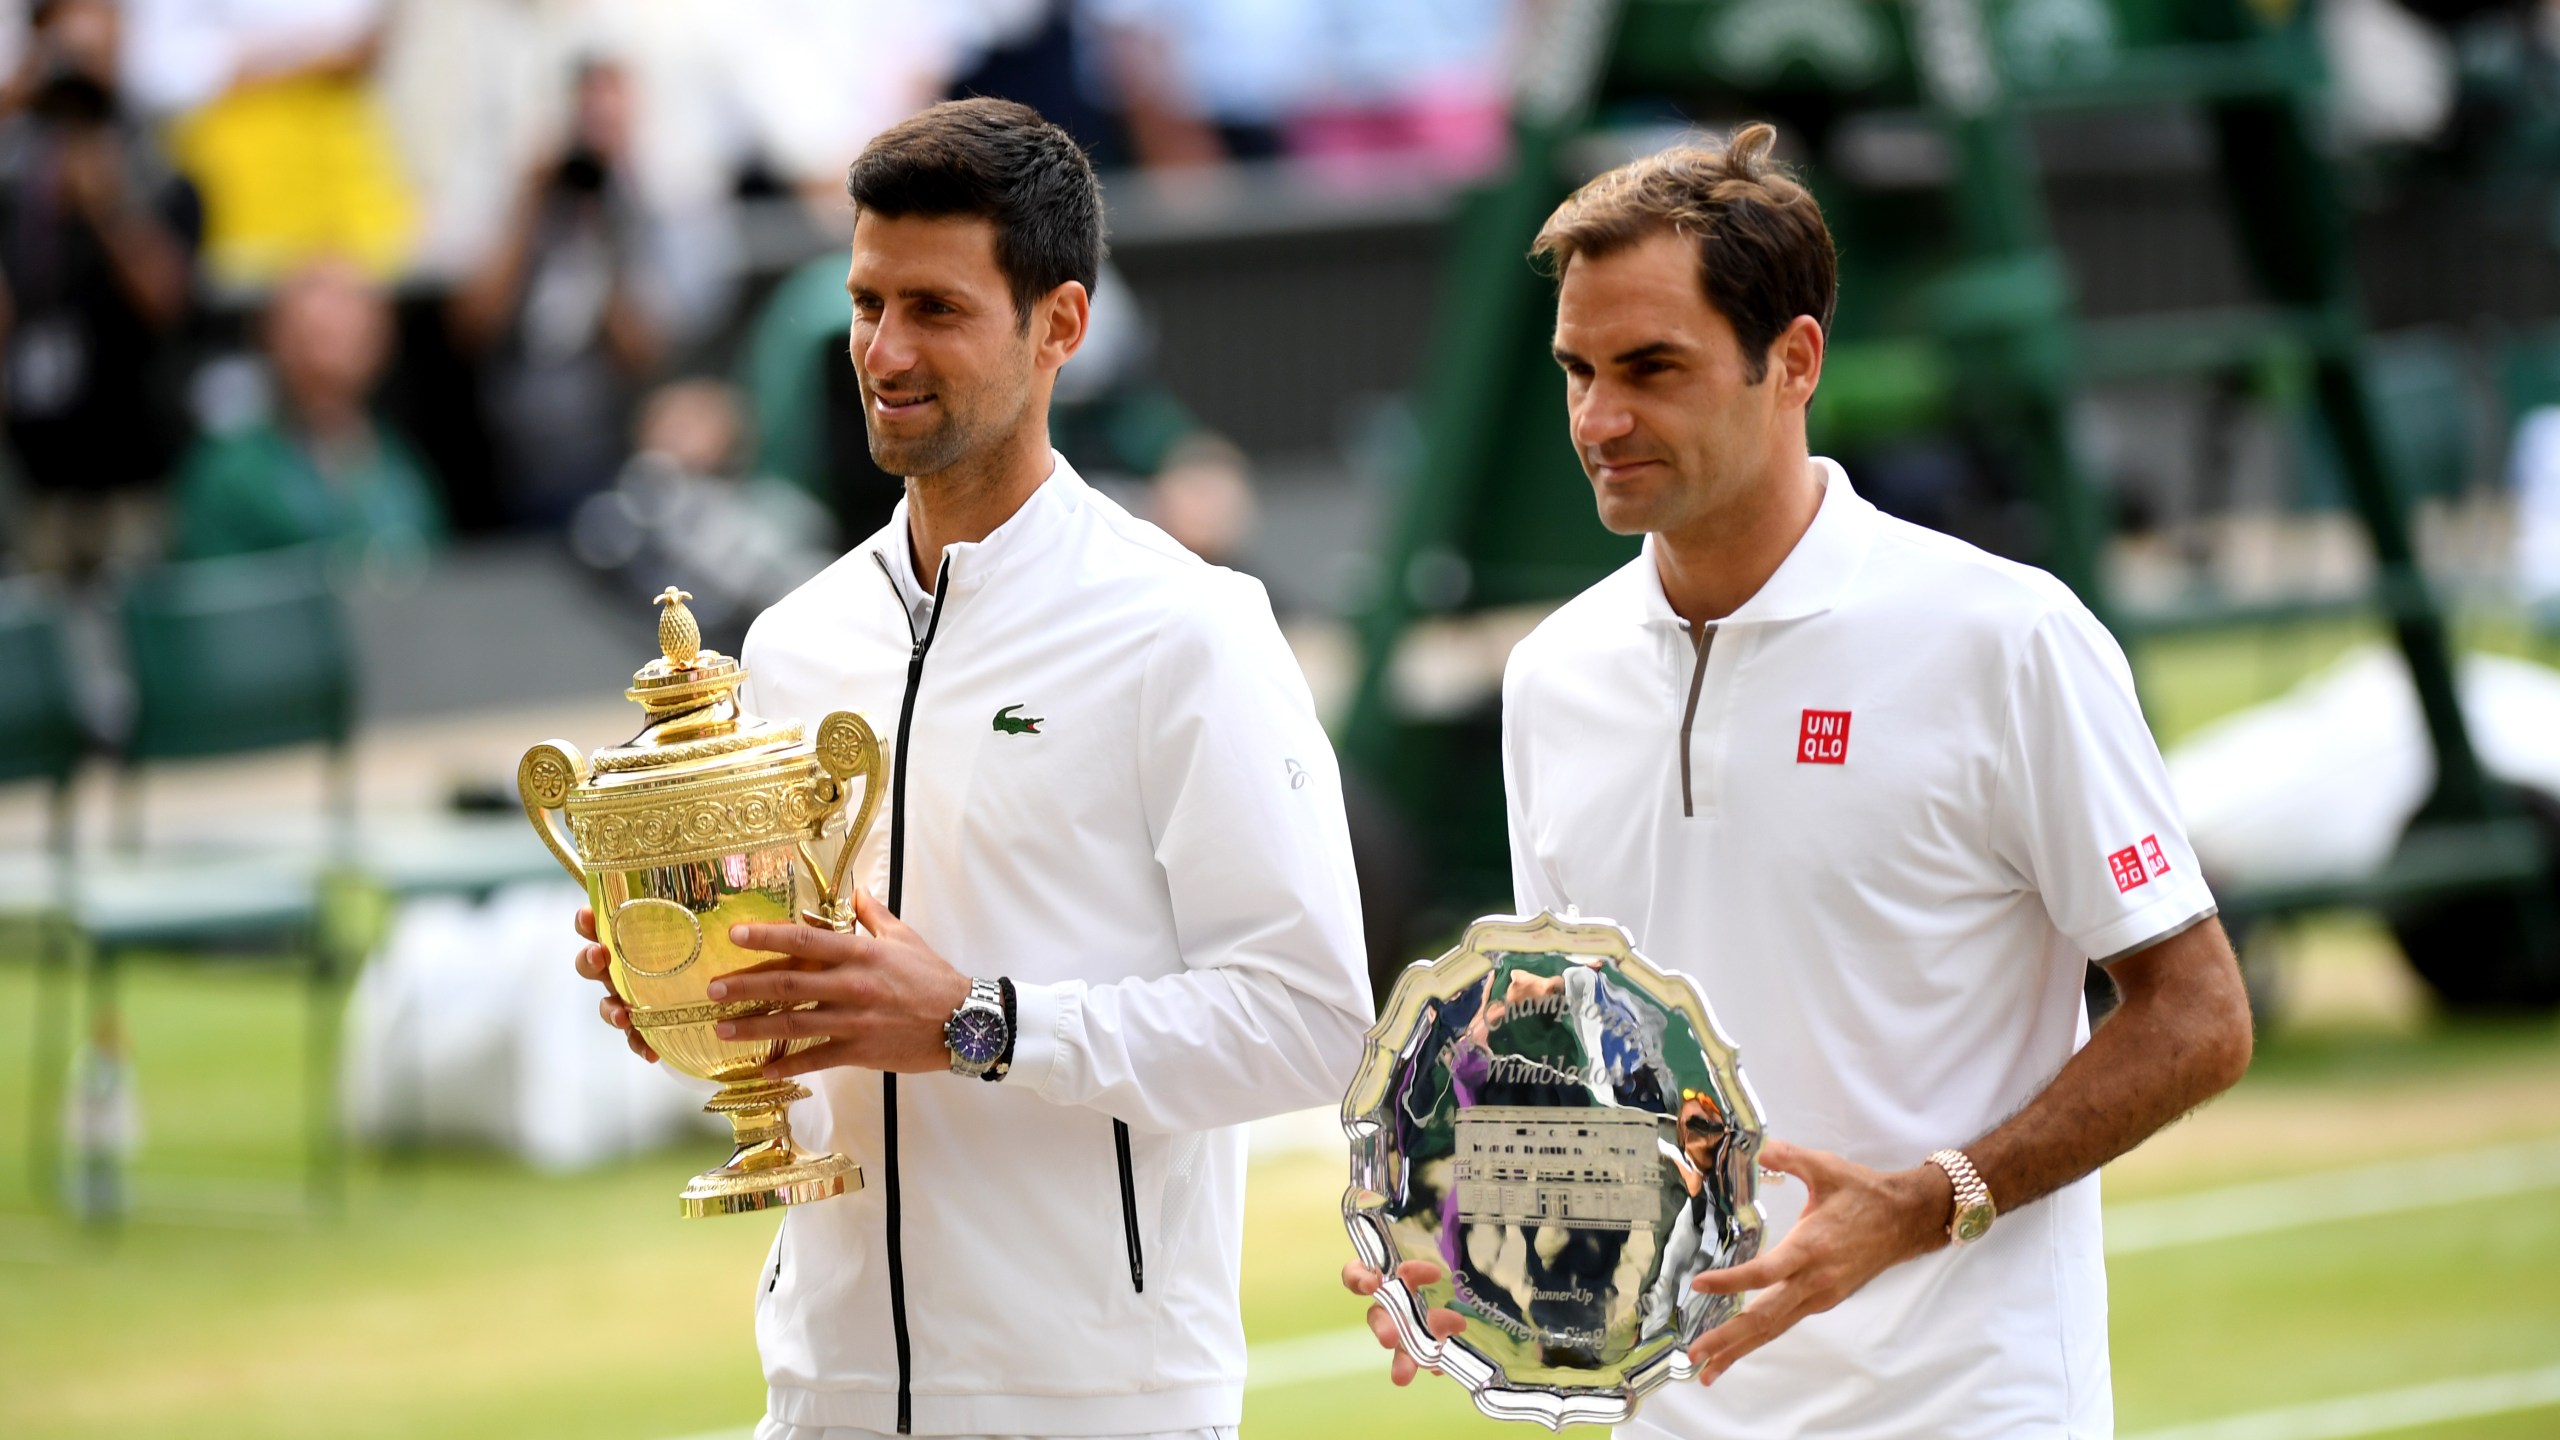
1635, 510
972, 429
931, 453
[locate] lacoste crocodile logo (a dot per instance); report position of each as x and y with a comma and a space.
1008, 723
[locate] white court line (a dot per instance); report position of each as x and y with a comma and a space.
2367, 1190
2383, 1410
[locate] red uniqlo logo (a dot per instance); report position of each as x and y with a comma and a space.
2126, 866
2153, 862
1825, 740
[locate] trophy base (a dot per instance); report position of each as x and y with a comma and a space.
767, 1171
740, 1192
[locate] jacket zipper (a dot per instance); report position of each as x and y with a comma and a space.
897, 893
1129, 1207
1703, 637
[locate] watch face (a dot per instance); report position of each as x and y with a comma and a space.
1974, 1223
975, 1036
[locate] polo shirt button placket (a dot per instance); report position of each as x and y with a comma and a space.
1699, 772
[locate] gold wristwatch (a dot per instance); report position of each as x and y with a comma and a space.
1974, 1212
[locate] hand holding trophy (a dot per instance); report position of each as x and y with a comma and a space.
708, 818
1550, 1138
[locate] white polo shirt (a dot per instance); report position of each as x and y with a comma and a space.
1916, 794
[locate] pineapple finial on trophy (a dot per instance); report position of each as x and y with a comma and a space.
678, 634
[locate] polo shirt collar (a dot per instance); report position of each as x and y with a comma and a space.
1813, 577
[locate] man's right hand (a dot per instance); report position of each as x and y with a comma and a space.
1359, 1279
596, 965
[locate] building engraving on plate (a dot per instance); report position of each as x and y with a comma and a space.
1594, 1169
672, 829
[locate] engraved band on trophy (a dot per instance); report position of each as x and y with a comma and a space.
1564, 1130
706, 819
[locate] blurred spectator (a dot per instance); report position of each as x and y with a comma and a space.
324, 469
481, 91
1196, 82
1032, 51
1203, 498
683, 511
475, 91
1422, 80
96, 236
571, 309
273, 116
813, 80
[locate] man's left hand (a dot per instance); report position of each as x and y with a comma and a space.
881, 995
1857, 1223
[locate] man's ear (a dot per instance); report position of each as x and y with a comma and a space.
1795, 360
1060, 322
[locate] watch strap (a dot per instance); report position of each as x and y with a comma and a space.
1004, 1061
1973, 1197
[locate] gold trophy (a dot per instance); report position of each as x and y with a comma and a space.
706, 819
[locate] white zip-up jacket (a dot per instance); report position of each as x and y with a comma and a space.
1109, 784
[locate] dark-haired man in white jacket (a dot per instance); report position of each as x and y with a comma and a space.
1115, 917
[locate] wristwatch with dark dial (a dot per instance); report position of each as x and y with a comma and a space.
980, 1032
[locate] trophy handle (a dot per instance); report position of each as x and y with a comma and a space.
847, 748
546, 775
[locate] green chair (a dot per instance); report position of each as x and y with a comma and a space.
41, 742
227, 657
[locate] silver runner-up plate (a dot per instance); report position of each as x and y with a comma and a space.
1562, 1129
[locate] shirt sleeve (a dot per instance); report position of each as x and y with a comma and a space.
2082, 811
1533, 885
1244, 801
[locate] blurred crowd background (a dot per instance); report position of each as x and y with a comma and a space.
366, 364
386, 274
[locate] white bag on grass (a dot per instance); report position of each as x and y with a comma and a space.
470, 1026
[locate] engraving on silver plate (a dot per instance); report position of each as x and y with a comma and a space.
1563, 1129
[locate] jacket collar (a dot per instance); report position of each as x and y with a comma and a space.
1813, 577
1027, 531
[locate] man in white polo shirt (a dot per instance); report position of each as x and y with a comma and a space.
1883, 795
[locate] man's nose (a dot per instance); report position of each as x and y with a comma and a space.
886, 350
1599, 418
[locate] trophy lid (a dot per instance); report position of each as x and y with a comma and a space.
691, 697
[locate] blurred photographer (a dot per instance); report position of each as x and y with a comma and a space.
97, 237
571, 308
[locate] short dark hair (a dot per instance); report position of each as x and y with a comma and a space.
998, 161
1764, 253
